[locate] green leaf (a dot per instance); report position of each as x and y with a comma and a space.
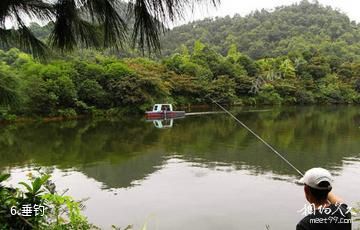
4, 177
28, 187
45, 178
36, 184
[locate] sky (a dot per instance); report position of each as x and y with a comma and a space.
244, 7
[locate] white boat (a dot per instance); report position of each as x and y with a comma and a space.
163, 111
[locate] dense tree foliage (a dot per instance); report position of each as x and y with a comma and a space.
89, 82
74, 85
288, 30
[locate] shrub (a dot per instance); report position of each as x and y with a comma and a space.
55, 211
92, 93
67, 113
65, 90
243, 85
41, 100
268, 95
304, 97
357, 85
222, 89
332, 90
118, 69
9, 84
6, 116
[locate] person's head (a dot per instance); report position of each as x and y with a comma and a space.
317, 185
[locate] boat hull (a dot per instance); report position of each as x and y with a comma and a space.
164, 114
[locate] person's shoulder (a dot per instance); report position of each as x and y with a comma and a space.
341, 209
342, 205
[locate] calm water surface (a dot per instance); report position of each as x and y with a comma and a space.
205, 172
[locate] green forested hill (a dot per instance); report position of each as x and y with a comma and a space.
286, 30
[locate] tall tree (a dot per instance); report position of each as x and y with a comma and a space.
76, 22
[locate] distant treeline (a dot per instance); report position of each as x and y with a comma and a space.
88, 82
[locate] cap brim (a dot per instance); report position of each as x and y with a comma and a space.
301, 181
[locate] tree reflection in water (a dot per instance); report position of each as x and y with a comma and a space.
118, 152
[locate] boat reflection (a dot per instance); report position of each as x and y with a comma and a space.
163, 123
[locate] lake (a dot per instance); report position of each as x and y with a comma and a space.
199, 172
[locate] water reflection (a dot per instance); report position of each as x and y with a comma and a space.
163, 124
119, 152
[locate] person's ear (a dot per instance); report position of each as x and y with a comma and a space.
307, 193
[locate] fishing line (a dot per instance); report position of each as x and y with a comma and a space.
258, 137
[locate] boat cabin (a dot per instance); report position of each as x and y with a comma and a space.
163, 111
162, 107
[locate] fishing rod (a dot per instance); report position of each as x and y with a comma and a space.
258, 137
